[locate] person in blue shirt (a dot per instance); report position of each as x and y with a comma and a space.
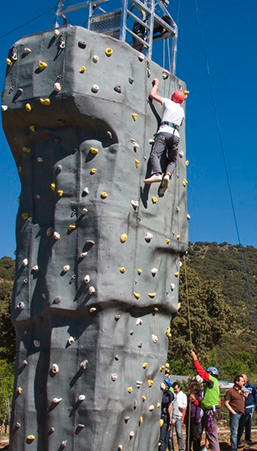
246, 420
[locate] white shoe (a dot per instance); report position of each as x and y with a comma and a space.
165, 182
155, 178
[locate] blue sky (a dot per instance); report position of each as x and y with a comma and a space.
230, 34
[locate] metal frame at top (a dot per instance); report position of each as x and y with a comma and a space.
152, 19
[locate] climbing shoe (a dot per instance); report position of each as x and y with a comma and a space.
155, 178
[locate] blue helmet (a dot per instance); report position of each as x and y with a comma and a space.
212, 370
168, 382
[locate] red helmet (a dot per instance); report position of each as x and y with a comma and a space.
177, 96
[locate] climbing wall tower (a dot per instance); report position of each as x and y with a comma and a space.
98, 252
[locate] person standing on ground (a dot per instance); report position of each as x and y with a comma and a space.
246, 420
210, 403
178, 406
167, 137
193, 417
235, 403
167, 398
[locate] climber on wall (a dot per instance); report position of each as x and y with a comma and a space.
167, 137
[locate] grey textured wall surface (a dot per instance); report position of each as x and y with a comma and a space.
89, 349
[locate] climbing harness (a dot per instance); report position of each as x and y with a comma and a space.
170, 124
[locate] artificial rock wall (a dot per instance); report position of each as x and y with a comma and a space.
98, 252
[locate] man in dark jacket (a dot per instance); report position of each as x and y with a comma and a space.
167, 398
249, 406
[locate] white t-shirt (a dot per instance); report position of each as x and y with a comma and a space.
172, 112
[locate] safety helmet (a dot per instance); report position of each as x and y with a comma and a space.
212, 370
178, 96
168, 382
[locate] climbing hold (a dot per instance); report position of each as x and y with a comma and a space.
82, 69
60, 192
114, 377
148, 237
143, 398
28, 107
51, 430
104, 195
129, 389
168, 332
161, 368
117, 317
108, 133
131, 434
95, 58
165, 74
123, 238
144, 365
134, 143
40, 159
177, 209
137, 295
117, 88
161, 423
186, 94
139, 383
188, 217
26, 149
151, 141
91, 290
151, 295
116, 357
56, 236
53, 186
56, 32
31, 437
131, 332
24, 363
141, 57
150, 382
62, 42
9, 61
35, 268
108, 51
154, 200
167, 241
45, 101
154, 338
178, 237
156, 309
154, 271
82, 44
25, 262
122, 269
64, 443
95, 88
92, 310
71, 340
187, 163
82, 398
120, 448
176, 274
172, 286
57, 400
4, 107
55, 368
151, 408
141, 420
185, 182
94, 150
83, 364
57, 86
139, 271
66, 268
20, 306
158, 405
93, 170
25, 216
134, 116
84, 211
86, 190
139, 322
36, 343
87, 279
131, 80
82, 254
32, 128
135, 204
179, 305
181, 154
72, 227
42, 65
27, 50
137, 163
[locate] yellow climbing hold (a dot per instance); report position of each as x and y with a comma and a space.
25, 216
104, 195
156, 309
32, 128
19, 169
167, 365
139, 271
9, 62
60, 192
179, 305
45, 102
158, 405
137, 295
186, 94
176, 274
53, 186
141, 420
28, 107
154, 200
82, 69
185, 182
108, 51
123, 238
134, 116
161, 424
94, 150
144, 365
150, 382
42, 65
93, 170
129, 389
161, 368
31, 437
143, 398
122, 269
168, 332
72, 227
178, 236
19, 389
167, 241
151, 295
187, 162
137, 163
26, 149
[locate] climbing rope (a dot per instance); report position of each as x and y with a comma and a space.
188, 304
224, 160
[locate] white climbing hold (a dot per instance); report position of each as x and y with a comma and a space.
135, 204
86, 190
172, 286
20, 306
71, 340
87, 278
141, 57
83, 364
56, 32
165, 74
82, 254
114, 377
181, 154
82, 398
131, 434
139, 322
95, 58
57, 400
64, 443
57, 87
55, 368
35, 268
40, 160
177, 209
66, 268
91, 290
148, 237
120, 448
151, 141
4, 107
154, 338
84, 211
154, 271
27, 50
92, 309
24, 363
188, 217
139, 383
57, 236
95, 88
151, 408
36, 343
134, 143
25, 262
